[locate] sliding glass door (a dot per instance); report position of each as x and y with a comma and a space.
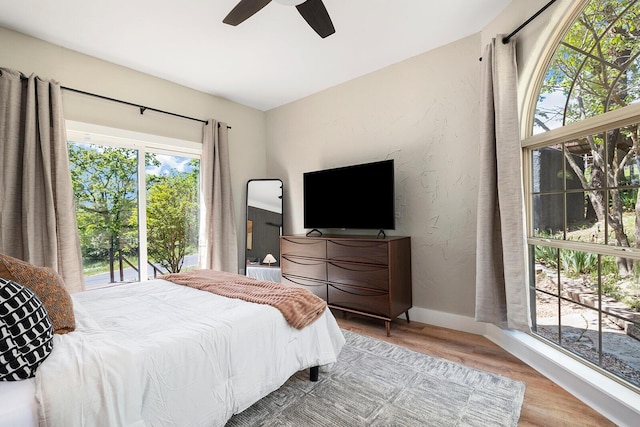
137, 207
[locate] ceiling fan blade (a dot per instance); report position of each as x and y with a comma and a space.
244, 10
316, 15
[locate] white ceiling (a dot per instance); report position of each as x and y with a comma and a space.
271, 59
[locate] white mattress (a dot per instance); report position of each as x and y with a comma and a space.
156, 353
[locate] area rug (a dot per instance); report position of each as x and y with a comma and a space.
375, 383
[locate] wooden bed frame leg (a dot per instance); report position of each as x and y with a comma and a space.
407, 314
313, 373
388, 325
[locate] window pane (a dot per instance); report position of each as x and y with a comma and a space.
579, 324
551, 103
629, 89
580, 331
105, 183
546, 269
172, 213
548, 169
622, 217
546, 292
592, 87
621, 354
621, 321
594, 68
548, 216
582, 221
575, 268
547, 316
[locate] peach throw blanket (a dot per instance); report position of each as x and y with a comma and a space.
298, 306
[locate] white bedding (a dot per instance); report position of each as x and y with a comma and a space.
156, 353
271, 274
18, 407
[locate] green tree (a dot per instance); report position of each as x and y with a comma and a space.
594, 70
172, 217
104, 184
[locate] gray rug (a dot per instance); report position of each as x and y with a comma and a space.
375, 383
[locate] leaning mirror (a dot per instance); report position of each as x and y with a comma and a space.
264, 227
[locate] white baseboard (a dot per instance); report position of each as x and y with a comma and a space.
610, 398
447, 320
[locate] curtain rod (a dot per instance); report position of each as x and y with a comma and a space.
141, 107
506, 39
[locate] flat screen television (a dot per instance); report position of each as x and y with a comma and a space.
351, 197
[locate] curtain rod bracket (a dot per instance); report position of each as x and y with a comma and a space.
142, 110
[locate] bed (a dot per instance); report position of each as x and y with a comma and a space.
262, 272
159, 353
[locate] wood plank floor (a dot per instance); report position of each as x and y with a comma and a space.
545, 403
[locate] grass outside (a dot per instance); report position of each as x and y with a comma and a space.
594, 231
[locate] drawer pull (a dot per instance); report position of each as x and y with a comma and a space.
302, 263
359, 245
361, 294
297, 242
291, 279
370, 269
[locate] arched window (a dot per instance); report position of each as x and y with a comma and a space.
583, 205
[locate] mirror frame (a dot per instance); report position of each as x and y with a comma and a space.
249, 226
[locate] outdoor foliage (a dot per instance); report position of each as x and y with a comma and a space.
172, 218
105, 184
573, 263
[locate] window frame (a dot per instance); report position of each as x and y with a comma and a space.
615, 119
144, 143
610, 120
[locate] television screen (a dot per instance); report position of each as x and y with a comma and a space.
357, 197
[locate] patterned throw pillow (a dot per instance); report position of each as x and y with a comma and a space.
47, 285
26, 333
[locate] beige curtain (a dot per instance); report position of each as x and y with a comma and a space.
218, 239
37, 213
501, 286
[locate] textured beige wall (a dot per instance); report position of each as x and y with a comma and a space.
78, 71
422, 112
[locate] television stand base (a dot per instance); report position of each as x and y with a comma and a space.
316, 230
381, 234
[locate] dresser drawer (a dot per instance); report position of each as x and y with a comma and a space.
304, 267
365, 300
315, 287
370, 252
363, 275
304, 247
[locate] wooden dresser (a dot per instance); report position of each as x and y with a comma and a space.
364, 275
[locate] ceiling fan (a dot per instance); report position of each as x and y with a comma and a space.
313, 11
